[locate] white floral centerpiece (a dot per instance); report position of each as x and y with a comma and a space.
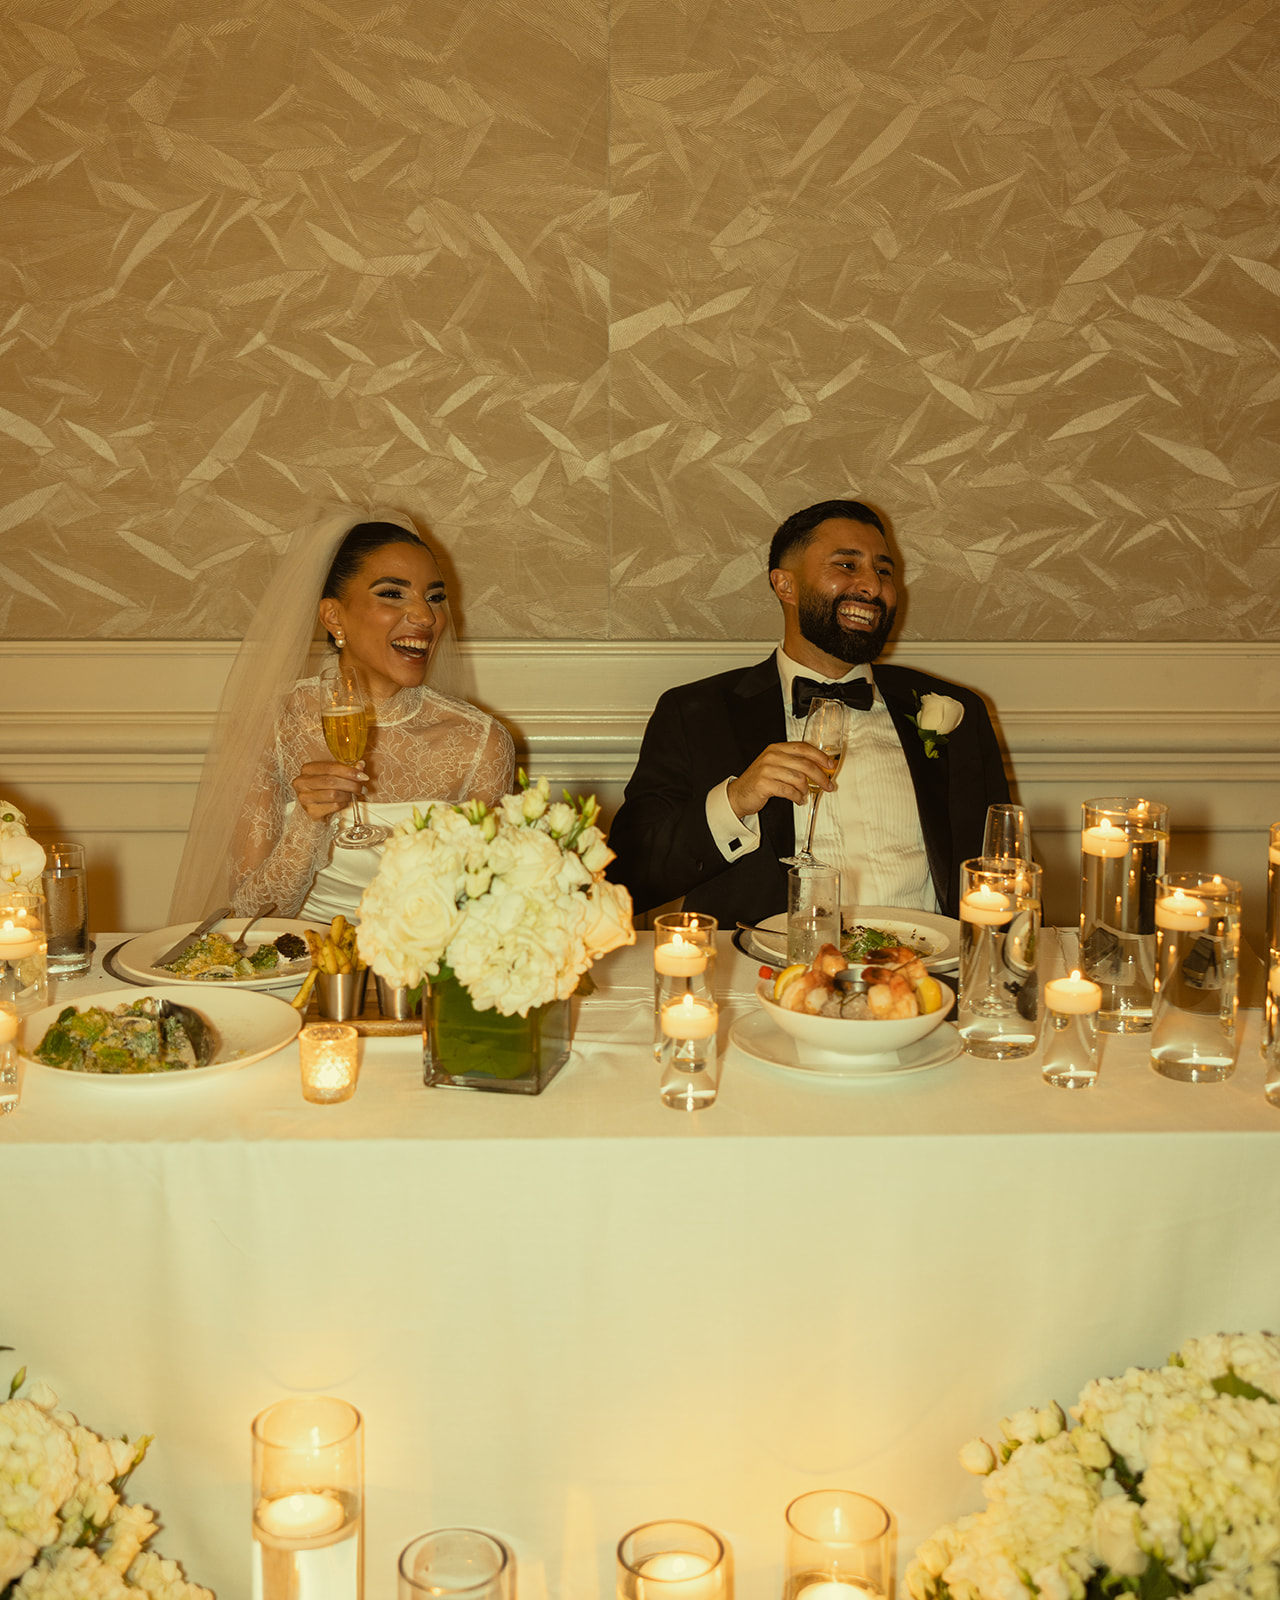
66, 1532
21, 858
1168, 1485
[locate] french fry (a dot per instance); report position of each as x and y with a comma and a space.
332, 952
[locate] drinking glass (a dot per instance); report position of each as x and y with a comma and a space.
1193, 1031
1007, 833
308, 1494
839, 1547
824, 727
1271, 1003
813, 910
674, 1561
67, 910
999, 1009
1122, 854
344, 717
456, 1564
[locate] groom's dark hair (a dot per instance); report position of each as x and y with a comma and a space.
797, 530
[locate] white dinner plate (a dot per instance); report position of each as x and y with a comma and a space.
249, 1026
136, 958
939, 935
756, 1036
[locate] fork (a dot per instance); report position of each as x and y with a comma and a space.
239, 945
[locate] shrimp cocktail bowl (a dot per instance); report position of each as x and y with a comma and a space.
833, 1007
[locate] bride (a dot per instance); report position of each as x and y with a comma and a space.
271, 796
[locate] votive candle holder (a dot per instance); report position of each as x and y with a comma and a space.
328, 1054
308, 1500
839, 1547
674, 1560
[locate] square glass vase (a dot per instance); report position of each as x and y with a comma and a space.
463, 1048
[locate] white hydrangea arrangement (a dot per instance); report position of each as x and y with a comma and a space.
21, 858
512, 901
1169, 1485
66, 1533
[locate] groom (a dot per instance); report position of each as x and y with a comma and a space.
723, 775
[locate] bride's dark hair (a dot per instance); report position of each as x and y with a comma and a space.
362, 541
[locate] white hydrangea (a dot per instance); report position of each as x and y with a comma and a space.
1175, 1470
37, 1471
163, 1580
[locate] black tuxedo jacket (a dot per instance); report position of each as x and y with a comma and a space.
702, 733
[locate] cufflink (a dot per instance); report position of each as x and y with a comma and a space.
734, 844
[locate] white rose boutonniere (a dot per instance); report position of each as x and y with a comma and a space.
937, 715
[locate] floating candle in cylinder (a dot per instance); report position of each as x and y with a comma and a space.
17, 939
1073, 996
839, 1547
308, 1476
986, 906
679, 958
836, 1589
681, 1575
1182, 913
8, 1025
690, 1018
301, 1516
1104, 839
673, 1561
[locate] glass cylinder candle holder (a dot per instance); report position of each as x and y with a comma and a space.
839, 1547
684, 962
813, 910
674, 1561
1071, 1023
688, 1056
24, 975
308, 1500
1193, 1031
8, 1060
329, 1057
1271, 1002
1122, 854
999, 1009
456, 1564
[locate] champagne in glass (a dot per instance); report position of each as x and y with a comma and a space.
344, 719
1122, 854
824, 728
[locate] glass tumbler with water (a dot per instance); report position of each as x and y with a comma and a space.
67, 918
1193, 1032
1123, 843
999, 1010
813, 911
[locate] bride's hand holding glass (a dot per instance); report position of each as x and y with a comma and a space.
344, 719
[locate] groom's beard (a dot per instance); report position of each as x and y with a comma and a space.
820, 625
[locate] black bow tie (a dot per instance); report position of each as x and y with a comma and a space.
857, 694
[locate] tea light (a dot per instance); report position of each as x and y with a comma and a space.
8, 1026
679, 958
327, 1053
1074, 996
836, 1589
301, 1516
683, 1576
17, 940
1105, 839
1181, 913
986, 906
690, 1018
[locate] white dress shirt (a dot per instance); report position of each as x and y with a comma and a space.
869, 827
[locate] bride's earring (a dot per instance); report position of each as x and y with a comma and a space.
340, 640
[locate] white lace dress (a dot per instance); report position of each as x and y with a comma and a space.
423, 746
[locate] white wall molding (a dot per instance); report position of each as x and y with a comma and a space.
105, 738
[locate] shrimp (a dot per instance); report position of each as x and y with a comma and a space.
892, 999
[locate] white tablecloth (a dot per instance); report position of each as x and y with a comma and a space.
566, 1315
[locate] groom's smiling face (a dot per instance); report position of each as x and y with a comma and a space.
842, 584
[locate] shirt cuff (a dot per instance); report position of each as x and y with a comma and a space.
734, 836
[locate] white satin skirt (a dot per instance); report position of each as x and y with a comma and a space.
339, 885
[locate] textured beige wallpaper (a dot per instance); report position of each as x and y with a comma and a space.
602, 289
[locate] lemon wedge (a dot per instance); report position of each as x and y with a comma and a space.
785, 977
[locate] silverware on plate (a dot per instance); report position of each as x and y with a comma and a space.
239, 945
188, 939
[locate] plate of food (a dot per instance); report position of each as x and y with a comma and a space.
129, 1039
868, 934
276, 955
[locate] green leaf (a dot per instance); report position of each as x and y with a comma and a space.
1156, 1583
1233, 1384
19, 1378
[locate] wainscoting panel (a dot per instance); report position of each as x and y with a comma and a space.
109, 740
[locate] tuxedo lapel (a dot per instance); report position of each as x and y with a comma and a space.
757, 719
930, 776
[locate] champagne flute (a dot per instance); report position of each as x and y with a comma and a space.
1008, 833
344, 717
823, 727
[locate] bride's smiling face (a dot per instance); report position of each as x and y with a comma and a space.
390, 615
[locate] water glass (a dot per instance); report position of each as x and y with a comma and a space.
1007, 833
813, 911
457, 1564
999, 1010
1193, 1033
308, 1500
1123, 843
839, 1547
67, 911
1271, 1003
24, 977
674, 1561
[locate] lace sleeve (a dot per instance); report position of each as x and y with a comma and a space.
276, 852
495, 768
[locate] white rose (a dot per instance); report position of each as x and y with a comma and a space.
978, 1457
560, 819
939, 713
608, 919
524, 858
596, 854
1115, 1537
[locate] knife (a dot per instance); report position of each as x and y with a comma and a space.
188, 939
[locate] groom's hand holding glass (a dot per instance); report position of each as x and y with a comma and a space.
791, 771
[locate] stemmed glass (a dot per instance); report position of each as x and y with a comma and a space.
825, 728
1008, 833
344, 716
